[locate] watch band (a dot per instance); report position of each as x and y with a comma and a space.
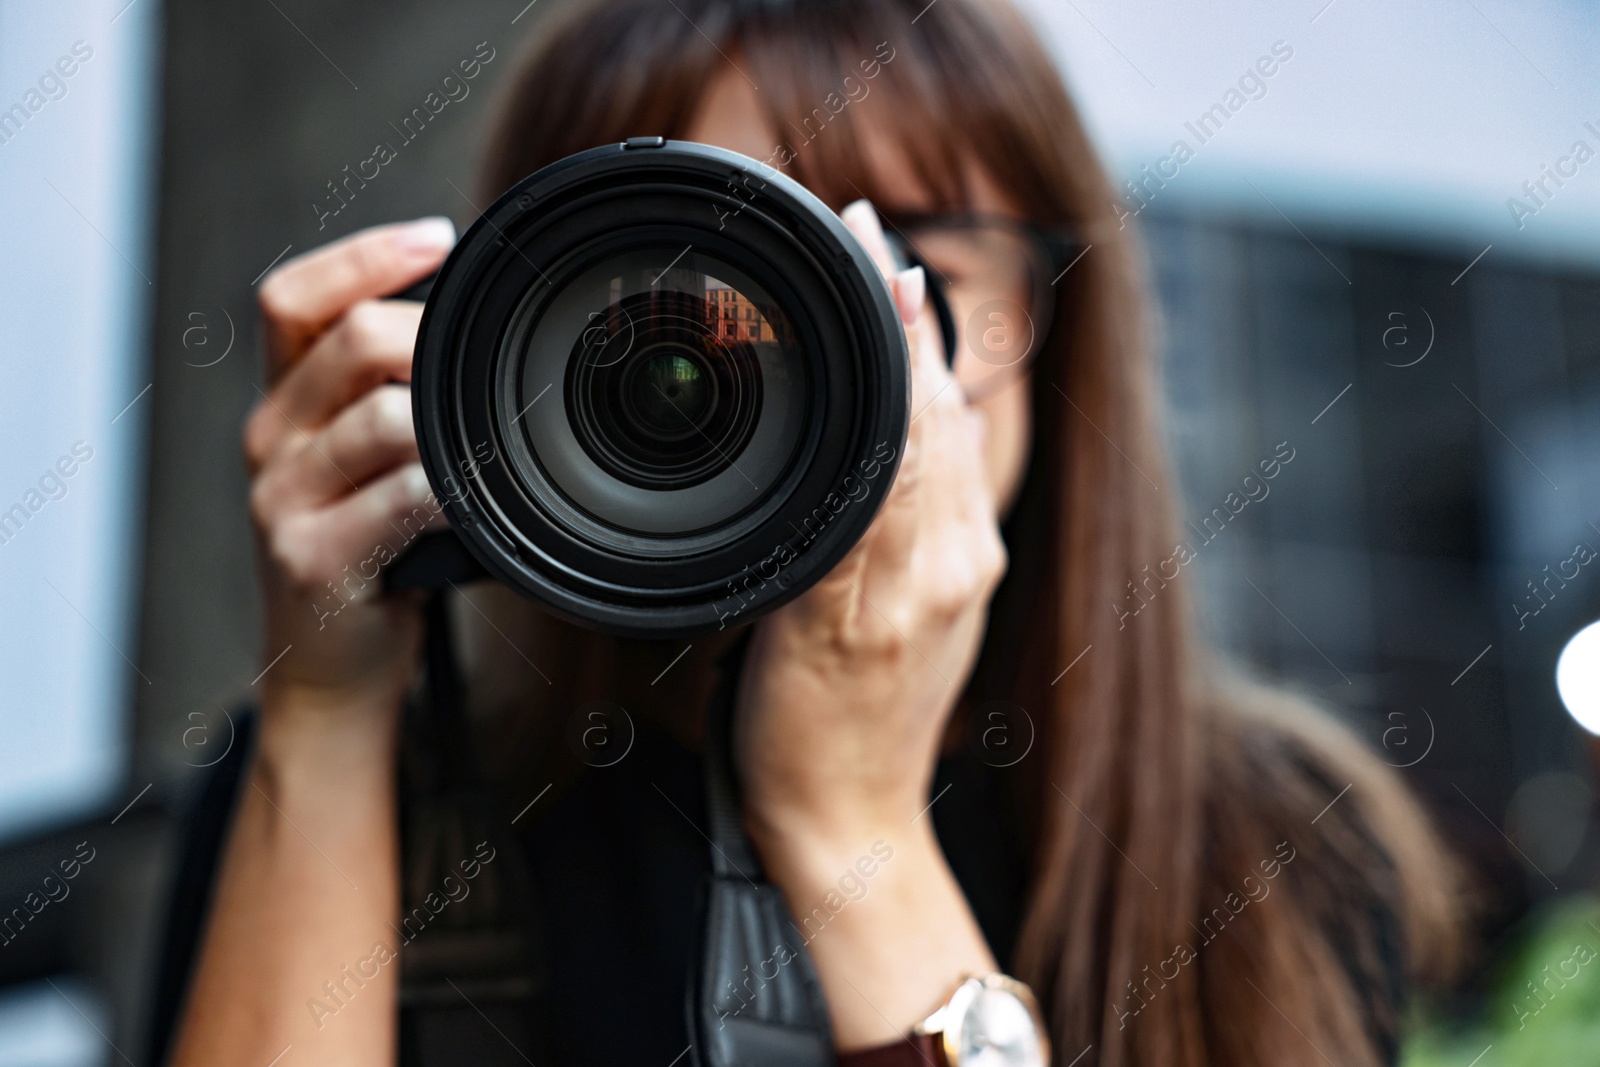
944, 1034
913, 1050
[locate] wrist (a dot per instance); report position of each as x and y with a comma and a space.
322, 733
819, 843
824, 815
883, 917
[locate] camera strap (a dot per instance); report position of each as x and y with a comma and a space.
465, 939
754, 998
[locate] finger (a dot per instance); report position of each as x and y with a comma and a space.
931, 379
300, 298
881, 569
956, 513
367, 439
958, 553
910, 291
835, 602
939, 406
862, 220
954, 442
908, 287
369, 346
363, 531
893, 533
877, 569
891, 540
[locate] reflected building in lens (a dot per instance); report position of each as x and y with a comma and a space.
734, 317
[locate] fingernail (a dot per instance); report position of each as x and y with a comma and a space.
434, 234
910, 291
855, 208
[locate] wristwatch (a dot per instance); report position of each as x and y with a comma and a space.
992, 1021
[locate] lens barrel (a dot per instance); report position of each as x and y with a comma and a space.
660, 389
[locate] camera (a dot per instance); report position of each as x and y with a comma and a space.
659, 388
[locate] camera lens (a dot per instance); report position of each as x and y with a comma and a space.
660, 389
669, 396
657, 396
683, 393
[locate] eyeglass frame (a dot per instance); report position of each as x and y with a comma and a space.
1057, 250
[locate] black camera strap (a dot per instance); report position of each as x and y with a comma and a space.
753, 994
466, 939
754, 998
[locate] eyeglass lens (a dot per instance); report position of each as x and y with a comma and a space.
990, 275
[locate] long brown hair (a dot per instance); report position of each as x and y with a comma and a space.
1188, 903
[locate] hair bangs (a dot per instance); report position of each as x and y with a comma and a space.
852, 106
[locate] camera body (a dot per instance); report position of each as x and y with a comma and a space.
659, 388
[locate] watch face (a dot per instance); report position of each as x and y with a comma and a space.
997, 1027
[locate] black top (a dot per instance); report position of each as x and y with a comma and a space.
617, 861
613, 865
620, 860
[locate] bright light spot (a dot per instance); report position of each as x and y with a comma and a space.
1578, 677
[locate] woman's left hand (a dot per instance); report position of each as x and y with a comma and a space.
844, 701
847, 690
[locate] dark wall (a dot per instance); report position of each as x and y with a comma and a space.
257, 120
264, 105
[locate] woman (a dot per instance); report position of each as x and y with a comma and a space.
1185, 869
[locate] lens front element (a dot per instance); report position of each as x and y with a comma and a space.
679, 405
683, 392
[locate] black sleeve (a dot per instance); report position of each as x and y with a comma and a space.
201, 833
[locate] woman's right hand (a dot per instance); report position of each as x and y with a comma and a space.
310, 879
336, 486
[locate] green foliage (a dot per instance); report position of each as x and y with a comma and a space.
1543, 1007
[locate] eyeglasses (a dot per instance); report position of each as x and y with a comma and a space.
992, 281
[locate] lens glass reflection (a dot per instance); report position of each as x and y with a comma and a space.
677, 391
